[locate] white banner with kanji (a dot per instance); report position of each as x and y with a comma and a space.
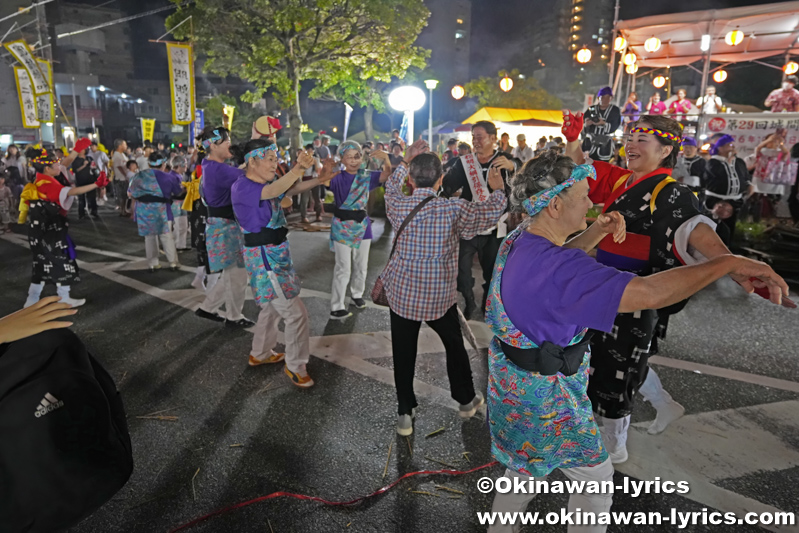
750, 129
27, 101
22, 53
45, 103
181, 81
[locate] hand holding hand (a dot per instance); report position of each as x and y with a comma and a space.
495, 180
614, 223
756, 276
305, 161
39, 317
572, 125
328, 172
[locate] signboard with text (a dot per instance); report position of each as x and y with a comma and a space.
181, 81
750, 129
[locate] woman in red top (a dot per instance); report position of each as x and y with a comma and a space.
664, 221
46, 202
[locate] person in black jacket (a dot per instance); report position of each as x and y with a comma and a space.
469, 175
601, 121
726, 179
83, 167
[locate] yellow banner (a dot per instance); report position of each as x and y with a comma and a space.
181, 82
147, 129
227, 116
45, 103
27, 101
23, 53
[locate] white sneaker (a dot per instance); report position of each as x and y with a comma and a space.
73, 302
666, 415
404, 425
100, 201
468, 410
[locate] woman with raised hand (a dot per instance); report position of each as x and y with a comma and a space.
45, 203
256, 198
540, 415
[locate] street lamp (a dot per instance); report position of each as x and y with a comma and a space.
430, 84
407, 99
457, 92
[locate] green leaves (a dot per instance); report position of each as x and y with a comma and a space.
526, 93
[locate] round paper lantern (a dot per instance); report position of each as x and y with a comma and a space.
719, 76
458, 92
734, 37
630, 59
506, 84
631, 69
791, 67
659, 82
584, 55
619, 43
652, 44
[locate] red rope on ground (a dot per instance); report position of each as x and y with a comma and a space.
322, 500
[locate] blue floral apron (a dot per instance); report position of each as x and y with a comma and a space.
537, 423
151, 218
351, 232
260, 260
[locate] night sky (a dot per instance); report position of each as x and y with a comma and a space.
498, 26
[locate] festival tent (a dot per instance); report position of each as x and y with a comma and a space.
533, 123
768, 30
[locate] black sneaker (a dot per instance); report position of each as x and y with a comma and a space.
240, 323
95, 216
341, 314
359, 303
202, 313
470, 310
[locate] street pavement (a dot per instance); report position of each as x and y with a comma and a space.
240, 432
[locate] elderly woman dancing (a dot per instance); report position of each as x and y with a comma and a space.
540, 416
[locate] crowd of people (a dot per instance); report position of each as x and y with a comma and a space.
564, 371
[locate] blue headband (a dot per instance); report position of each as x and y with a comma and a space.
537, 202
260, 153
721, 141
157, 162
208, 142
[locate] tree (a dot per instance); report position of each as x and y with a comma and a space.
243, 117
525, 94
277, 44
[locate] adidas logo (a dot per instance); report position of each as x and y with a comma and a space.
48, 404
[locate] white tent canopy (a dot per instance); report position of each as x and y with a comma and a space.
769, 30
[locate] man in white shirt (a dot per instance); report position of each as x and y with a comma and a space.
710, 104
522, 151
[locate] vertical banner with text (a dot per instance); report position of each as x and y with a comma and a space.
22, 53
181, 81
45, 103
147, 129
27, 101
196, 127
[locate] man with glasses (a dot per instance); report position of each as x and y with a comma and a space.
469, 175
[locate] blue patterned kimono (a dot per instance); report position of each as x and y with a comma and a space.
151, 218
351, 232
537, 423
260, 260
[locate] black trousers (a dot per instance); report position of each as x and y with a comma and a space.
90, 198
404, 339
486, 247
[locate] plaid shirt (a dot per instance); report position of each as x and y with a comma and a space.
420, 279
